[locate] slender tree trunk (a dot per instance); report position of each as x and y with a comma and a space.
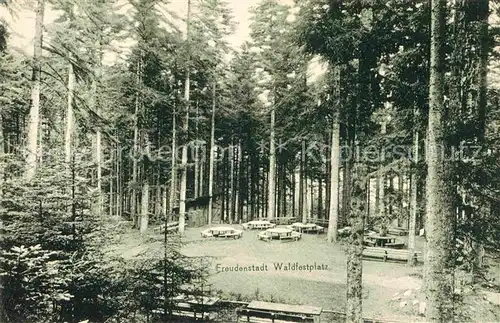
111, 196
196, 157
302, 214
145, 206
212, 158
34, 116
413, 193
319, 208
98, 135
135, 151
346, 187
265, 195
227, 178
239, 184
252, 164
334, 180
173, 164
231, 184
69, 113
118, 183
158, 197
202, 173
271, 190
381, 195
185, 129
440, 213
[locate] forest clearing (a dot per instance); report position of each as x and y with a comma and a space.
249, 161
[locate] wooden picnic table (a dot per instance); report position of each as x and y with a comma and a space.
307, 227
258, 224
310, 311
381, 241
279, 232
221, 232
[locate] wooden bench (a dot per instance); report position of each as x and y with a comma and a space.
390, 254
288, 238
235, 235
395, 245
258, 316
258, 311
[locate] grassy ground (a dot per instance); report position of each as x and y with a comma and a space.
324, 288
391, 290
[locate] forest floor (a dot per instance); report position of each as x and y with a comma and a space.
391, 290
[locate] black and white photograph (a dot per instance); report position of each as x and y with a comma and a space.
232, 161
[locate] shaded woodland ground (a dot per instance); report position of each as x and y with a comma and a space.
142, 111
386, 285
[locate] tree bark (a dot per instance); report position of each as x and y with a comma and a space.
440, 213
302, 191
334, 180
355, 219
413, 192
145, 207
34, 116
173, 164
232, 192
185, 129
212, 158
135, 150
271, 190
69, 113
196, 156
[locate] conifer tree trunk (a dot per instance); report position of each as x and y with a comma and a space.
98, 156
346, 189
211, 158
355, 200
413, 193
196, 156
144, 206
118, 182
98, 135
334, 180
440, 213
173, 167
381, 195
185, 129
239, 189
271, 190
135, 150
202, 166
301, 181
158, 197
69, 113
34, 115
319, 207
232, 194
